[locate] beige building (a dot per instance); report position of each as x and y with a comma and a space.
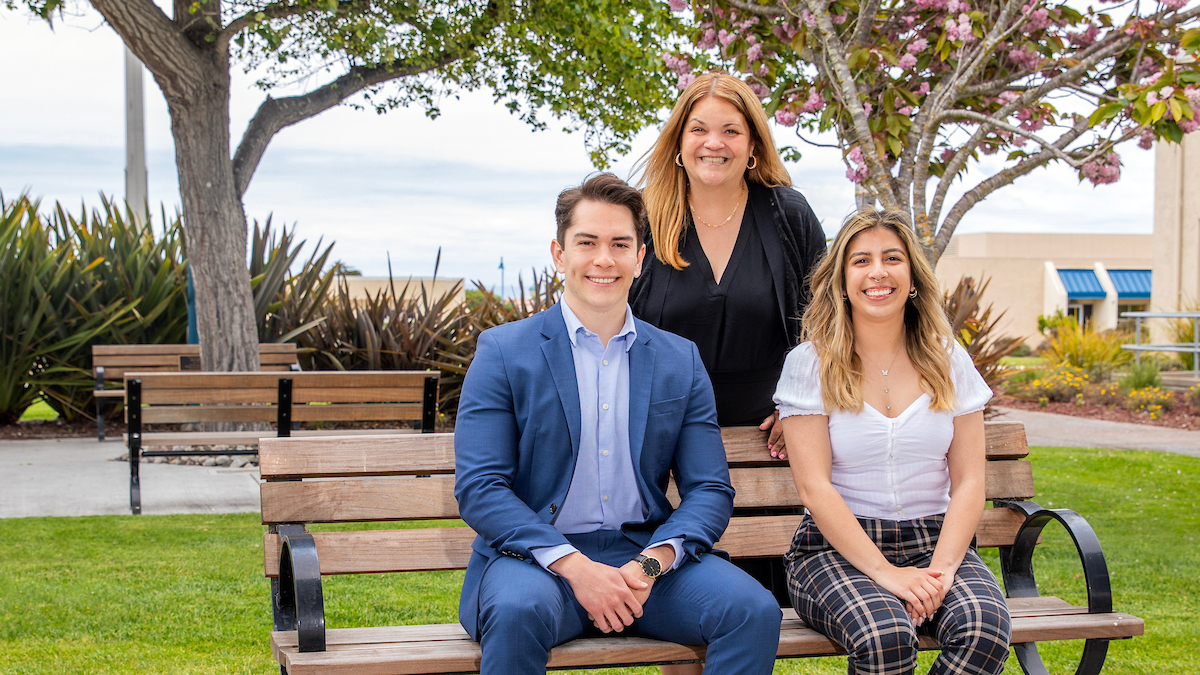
359, 287
1176, 230
1093, 277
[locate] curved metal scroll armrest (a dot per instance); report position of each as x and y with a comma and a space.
1016, 561
1016, 564
301, 600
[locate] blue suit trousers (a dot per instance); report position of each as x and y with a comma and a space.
525, 610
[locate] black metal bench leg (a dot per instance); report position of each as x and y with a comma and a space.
133, 416
1090, 662
99, 419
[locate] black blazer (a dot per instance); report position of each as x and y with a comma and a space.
794, 243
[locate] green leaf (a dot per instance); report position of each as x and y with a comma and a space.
1104, 113
895, 145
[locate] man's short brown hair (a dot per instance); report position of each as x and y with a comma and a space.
605, 188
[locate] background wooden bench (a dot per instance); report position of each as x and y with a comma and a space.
260, 399
111, 362
330, 480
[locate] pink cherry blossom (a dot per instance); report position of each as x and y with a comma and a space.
1146, 139
917, 46
908, 61
754, 53
1107, 169
1174, 4
1193, 96
677, 5
708, 40
763, 70
1007, 97
759, 90
857, 171
906, 110
1151, 97
814, 102
923, 89
947, 155
867, 108
1087, 37
839, 19
685, 80
1189, 125
785, 117
808, 18
677, 65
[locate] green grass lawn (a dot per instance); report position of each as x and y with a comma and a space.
1023, 361
185, 594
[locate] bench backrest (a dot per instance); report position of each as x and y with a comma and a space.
116, 360
283, 397
404, 478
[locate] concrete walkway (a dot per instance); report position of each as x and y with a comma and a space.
74, 477
1065, 431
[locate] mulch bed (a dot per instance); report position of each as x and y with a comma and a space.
1183, 416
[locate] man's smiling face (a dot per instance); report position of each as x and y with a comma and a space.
598, 258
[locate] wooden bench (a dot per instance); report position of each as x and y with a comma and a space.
111, 362
329, 480
282, 399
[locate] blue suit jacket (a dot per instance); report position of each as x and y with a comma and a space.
516, 440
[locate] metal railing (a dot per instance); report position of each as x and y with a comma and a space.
1185, 347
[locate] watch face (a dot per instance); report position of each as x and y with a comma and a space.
651, 567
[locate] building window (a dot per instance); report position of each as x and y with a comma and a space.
1081, 312
1129, 324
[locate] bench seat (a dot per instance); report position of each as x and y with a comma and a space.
446, 648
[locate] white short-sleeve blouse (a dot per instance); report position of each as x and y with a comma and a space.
891, 469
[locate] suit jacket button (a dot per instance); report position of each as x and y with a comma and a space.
553, 508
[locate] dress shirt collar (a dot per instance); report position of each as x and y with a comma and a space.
574, 326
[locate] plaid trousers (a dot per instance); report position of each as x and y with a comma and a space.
972, 625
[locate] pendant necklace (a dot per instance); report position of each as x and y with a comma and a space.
887, 397
737, 205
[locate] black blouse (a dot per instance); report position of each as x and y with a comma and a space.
735, 324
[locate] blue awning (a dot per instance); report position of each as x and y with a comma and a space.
1082, 285
1131, 284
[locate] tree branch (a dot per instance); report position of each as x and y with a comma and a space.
158, 42
274, 11
866, 19
760, 10
998, 124
275, 114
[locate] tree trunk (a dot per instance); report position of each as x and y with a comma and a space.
214, 224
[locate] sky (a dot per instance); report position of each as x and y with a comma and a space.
476, 183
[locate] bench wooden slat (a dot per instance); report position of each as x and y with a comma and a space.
358, 412
747, 445
353, 379
361, 499
209, 413
190, 350
128, 361
304, 458
1009, 479
252, 437
183, 397
380, 394
448, 648
200, 381
448, 548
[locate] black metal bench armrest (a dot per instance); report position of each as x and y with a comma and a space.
1016, 565
301, 600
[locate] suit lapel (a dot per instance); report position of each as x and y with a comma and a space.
557, 350
641, 380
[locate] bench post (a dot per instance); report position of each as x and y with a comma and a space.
283, 419
429, 405
133, 415
99, 403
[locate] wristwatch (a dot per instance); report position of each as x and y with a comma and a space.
651, 567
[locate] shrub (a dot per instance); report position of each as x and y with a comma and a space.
287, 304
1183, 331
1062, 382
1153, 400
49, 308
1108, 393
1142, 375
974, 328
1193, 396
1097, 354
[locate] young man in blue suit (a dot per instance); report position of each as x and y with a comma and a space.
569, 425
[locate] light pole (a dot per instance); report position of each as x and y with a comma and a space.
135, 140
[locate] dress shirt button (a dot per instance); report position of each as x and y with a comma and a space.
895, 489
605, 406
606, 362
605, 497
604, 452
893, 437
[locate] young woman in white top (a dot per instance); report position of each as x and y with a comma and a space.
882, 414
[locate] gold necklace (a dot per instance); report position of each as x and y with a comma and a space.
887, 398
725, 222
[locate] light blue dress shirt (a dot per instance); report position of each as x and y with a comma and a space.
604, 490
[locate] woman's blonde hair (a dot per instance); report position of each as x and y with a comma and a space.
666, 183
829, 323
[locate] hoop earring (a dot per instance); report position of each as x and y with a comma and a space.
845, 297
679, 159
913, 294
751, 167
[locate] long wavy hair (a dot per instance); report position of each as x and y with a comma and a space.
829, 322
666, 182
